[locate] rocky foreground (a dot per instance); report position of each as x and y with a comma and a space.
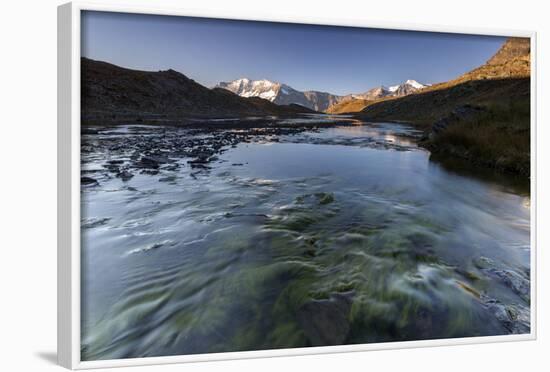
200, 144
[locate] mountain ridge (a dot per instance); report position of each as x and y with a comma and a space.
356, 102
281, 93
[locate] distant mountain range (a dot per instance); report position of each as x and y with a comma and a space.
283, 94
399, 90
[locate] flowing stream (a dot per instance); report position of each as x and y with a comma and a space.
339, 235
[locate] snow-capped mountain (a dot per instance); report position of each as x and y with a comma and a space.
372, 94
255, 88
283, 94
399, 90
408, 87
412, 83
280, 94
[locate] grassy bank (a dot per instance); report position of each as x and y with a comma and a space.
499, 138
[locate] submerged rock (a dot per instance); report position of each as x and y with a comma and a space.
325, 322
515, 318
151, 247
325, 198
151, 172
172, 167
510, 278
88, 181
125, 175
152, 162
94, 222
89, 131
167, 179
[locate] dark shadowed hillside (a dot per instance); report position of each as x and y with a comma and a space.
425, 108
112, 94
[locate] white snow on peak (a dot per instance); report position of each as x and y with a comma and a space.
269, 95
393, 88
253, 88
263, 88
415, 84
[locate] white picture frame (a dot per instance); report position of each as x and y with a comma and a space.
69, 55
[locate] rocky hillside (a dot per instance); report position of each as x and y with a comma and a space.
512, 60
112, 94
321, 101
280, 94
515, 48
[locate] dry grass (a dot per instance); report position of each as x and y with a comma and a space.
500, 138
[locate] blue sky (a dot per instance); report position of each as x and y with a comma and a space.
338, 60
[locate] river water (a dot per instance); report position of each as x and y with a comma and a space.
340, 235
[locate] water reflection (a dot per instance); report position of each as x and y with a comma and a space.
514, 183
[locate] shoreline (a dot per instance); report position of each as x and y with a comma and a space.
277, 126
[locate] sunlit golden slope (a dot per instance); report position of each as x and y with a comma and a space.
512, 61
503, 78
351, 105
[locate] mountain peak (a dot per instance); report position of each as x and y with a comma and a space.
245, 87
408, 87
512, 60
513, 48
415, 84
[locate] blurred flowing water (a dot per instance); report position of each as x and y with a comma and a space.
335, 236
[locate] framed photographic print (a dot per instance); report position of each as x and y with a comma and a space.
249, 187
